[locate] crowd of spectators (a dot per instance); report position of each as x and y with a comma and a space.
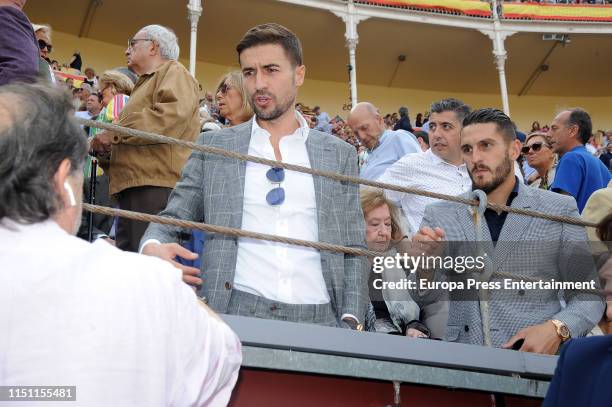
562, 168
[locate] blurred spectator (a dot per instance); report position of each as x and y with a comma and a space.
418, 122
322, 120
404, 121
119, 312
423, 139
540, 157
19, 53
76, 61
439, 169
92, 107
579, 173
606, 157
91, 79
43, 36
537, 323
384, 146
598, 207
55, 65
233, 104
391, 311
535, 127
165, 101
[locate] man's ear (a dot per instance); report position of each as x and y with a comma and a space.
60, 177
515, 149
300, 74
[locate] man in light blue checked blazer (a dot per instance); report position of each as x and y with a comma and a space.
264, 279
529, 320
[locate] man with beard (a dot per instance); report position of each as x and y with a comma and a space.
259, 278
530, 320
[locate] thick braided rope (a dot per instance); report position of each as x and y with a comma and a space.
253, 235
143, 217
156, 138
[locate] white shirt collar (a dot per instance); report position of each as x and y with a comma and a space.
437, 160
303, 130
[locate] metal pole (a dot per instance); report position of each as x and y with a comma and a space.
500, 57
351, 42
92, 196
194, 9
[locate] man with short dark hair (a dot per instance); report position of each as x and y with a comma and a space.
423, 139
92, 107
124, 329
439, 169
259, 278
404, 122
530, 248
579, 173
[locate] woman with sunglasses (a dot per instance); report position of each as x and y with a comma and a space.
43, 36
231, 98
540, 156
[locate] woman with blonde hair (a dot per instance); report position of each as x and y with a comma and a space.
232, 99
540, 156
391, 311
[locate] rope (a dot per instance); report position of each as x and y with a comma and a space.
157, 138
164, 220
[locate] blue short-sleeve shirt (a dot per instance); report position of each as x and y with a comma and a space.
580, 173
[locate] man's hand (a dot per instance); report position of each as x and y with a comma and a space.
415, 333
429, 241
542, 338
169, 252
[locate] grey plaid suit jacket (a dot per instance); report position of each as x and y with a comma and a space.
211, 190
526, 246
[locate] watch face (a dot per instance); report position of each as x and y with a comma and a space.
564, 331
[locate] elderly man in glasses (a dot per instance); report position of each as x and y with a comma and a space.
259, 278
165, 100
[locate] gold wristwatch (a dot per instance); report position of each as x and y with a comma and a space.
562, 330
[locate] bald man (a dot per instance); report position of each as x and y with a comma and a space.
384, 147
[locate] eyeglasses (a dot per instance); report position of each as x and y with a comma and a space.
133, 41
276, 196
42, 44
535, 147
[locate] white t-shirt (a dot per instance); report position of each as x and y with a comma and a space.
121, 327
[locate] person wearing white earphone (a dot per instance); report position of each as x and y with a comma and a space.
74, 309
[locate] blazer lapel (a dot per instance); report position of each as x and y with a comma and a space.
322, 157
237, 171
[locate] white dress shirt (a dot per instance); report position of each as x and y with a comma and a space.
424, 171
280, 272
121, 327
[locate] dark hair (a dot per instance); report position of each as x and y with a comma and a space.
423, 135
579, 117
272, 33
488, 115
451, 105
37, 132
403, 111
604, 228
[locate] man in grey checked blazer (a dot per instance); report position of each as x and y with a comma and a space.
516, 244
212, 190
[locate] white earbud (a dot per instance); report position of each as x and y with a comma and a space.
70, 193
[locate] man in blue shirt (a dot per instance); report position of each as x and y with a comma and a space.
579, 173
385, 147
